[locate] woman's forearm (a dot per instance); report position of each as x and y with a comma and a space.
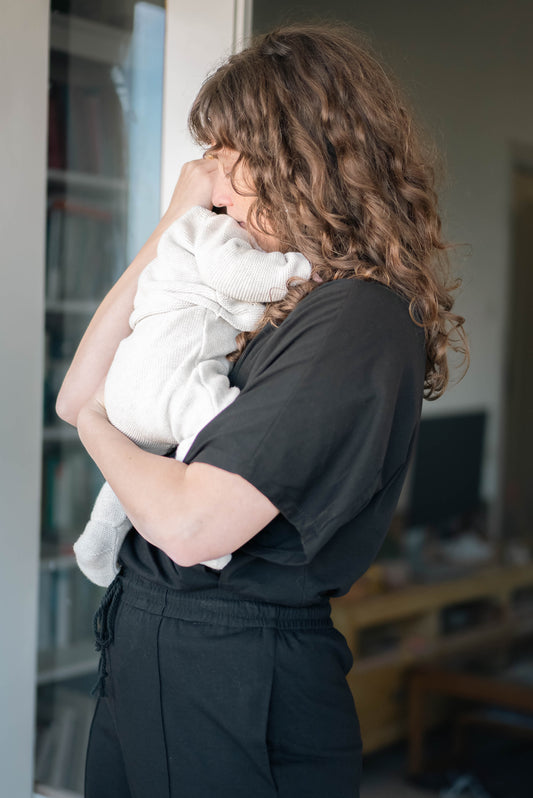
192, 512
136, 476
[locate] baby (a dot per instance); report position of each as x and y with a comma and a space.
169, 377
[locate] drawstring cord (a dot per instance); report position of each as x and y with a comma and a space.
104, 629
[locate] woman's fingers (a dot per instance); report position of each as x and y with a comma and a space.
194, 186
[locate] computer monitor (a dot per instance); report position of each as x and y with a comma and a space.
446, 473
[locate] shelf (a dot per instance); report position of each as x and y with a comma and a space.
78, 659
464, 642
57, 562
44, 791
397, 604
80, 307
86, 39
86, 180
60, 434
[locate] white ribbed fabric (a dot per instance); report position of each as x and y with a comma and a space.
168, 378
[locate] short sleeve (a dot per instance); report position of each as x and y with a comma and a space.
328, 408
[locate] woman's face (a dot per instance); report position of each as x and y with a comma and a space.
237, 204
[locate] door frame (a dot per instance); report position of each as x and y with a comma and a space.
223, 27
520, 160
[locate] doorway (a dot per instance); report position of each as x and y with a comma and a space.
518, 396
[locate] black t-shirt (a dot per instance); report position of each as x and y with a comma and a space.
323, 426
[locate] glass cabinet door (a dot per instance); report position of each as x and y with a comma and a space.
104, 157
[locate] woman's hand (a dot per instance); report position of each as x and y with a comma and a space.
194, 187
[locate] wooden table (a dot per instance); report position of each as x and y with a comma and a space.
415, 616
426, 680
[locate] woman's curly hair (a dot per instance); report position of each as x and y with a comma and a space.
339, 173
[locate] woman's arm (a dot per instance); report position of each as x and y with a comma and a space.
192, 512
110, 325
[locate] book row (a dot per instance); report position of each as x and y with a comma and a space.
67, 602
71, 482
85, 250
62, 741
86, 131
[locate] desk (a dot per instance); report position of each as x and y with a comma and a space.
433, 679
412, 618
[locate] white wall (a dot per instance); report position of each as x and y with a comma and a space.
468, 68
199, 37
23, 94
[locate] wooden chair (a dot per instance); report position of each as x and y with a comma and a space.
495, 691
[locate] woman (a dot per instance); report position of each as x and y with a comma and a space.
232, 683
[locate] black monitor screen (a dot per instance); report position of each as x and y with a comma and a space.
447, 468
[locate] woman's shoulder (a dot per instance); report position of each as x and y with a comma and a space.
357, 305
353, 322
356, 290
350, 323
347, 322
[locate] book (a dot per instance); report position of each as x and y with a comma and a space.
87, 132
81, 250
56, 129
62, 743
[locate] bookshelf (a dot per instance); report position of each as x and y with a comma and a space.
102, 101
77, 35
77, 659
152, 168
86, 181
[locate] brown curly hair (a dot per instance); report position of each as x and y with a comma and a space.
339, 173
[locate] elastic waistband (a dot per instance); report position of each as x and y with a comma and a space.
219, 607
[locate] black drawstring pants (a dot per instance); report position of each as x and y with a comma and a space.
206, 696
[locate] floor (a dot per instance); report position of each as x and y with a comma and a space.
394, 787
384, 776
499, 767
